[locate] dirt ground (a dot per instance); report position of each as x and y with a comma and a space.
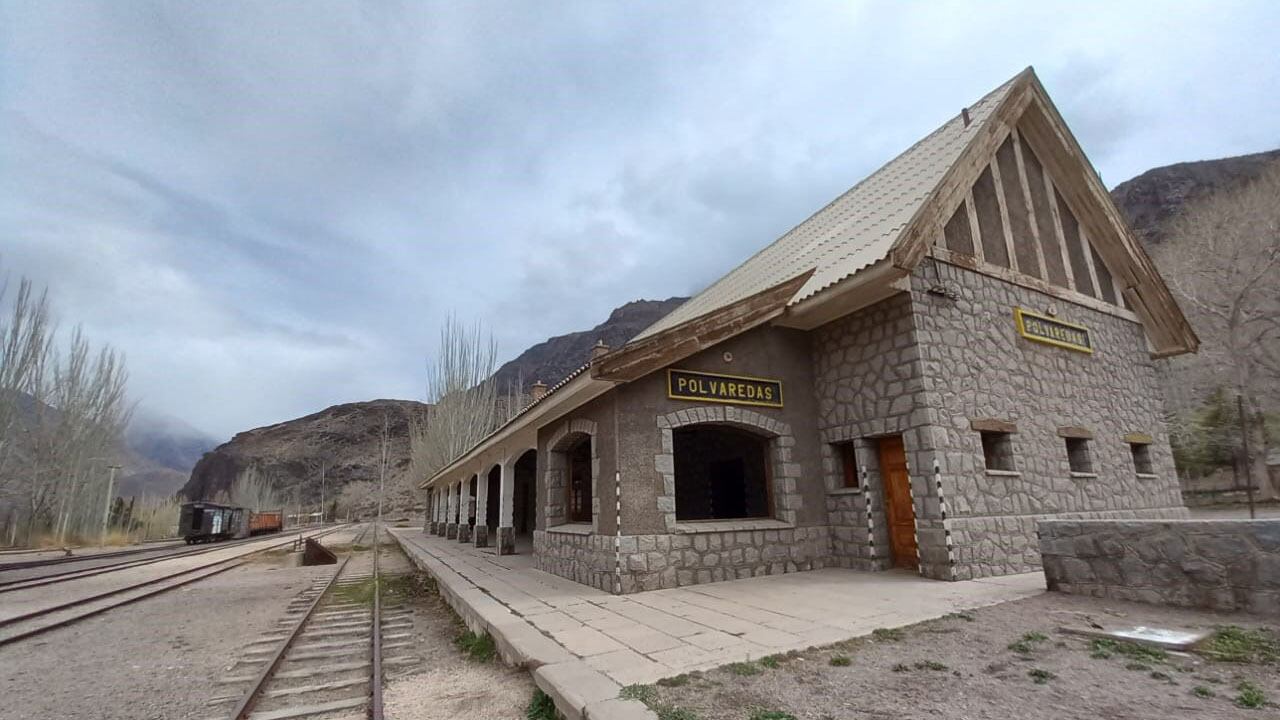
448, 683
963, 667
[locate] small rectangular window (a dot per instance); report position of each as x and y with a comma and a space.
997, 450
1142, 458
848, 458
1079, 455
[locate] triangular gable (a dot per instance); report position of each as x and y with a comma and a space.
1024, 197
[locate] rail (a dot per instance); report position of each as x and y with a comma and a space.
219, 566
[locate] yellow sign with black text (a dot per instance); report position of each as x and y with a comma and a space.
731, 389
1050, 331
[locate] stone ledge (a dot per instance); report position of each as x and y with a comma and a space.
845, 491
574, 685
1002, 473
717, 526
572, 529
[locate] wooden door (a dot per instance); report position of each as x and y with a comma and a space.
899, 511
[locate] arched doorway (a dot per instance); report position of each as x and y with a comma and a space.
721, 473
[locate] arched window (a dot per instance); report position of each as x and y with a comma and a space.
579, 485
721, 473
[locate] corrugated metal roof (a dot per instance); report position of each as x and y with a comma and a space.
854, 231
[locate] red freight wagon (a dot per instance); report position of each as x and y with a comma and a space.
270, 521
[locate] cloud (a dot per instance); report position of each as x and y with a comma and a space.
271, 206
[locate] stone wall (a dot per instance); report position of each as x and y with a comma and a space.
869, 383
977, 367
652, 562
1217, 564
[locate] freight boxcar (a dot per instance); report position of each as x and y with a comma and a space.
210, 522
267, 521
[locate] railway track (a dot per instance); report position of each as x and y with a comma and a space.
160, 555
44, 618
326, 658
64, 558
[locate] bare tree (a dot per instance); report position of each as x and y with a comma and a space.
253, 490
1222, 260
62, 415
463, 396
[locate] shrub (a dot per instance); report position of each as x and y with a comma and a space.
644, 693
540, 707
931, 665
770, 661
888, 634
1201, 691
1251, 696
771, 715
1039, 676
840, 661
477, 648
1240, 645
743, 669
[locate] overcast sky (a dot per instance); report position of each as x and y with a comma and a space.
270, 206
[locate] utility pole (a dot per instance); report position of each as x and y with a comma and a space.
106, 508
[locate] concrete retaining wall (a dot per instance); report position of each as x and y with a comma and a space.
1216, 564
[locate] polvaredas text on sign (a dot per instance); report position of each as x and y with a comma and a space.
733, 389
1039, 328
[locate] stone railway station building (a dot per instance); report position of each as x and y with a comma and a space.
960, 345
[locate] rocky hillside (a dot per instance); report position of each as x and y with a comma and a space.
346, 438
1152, 199
551, 360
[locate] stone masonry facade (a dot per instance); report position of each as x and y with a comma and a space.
928, 364
653, 562
976, 367
1225, 565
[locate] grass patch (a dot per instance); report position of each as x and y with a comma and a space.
1027, 643
1251, 696
1201, 691
677, 681
901, 667
674, 712
1232, 643
888, 634
1040, 676
743, 669
964, 615
1158, 675
1103, 648
931, 665
477, 647
840, 661
540, 707
646, 694
772, 715
1137, 666
771, 661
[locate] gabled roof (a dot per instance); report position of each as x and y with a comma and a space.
855, 230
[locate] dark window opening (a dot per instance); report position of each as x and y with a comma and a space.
997, 450
721, 473
494, 498
1079, 456
580, 481
1142, 459
197, 517
848, 458
524, 494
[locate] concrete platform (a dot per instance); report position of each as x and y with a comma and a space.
583, 644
